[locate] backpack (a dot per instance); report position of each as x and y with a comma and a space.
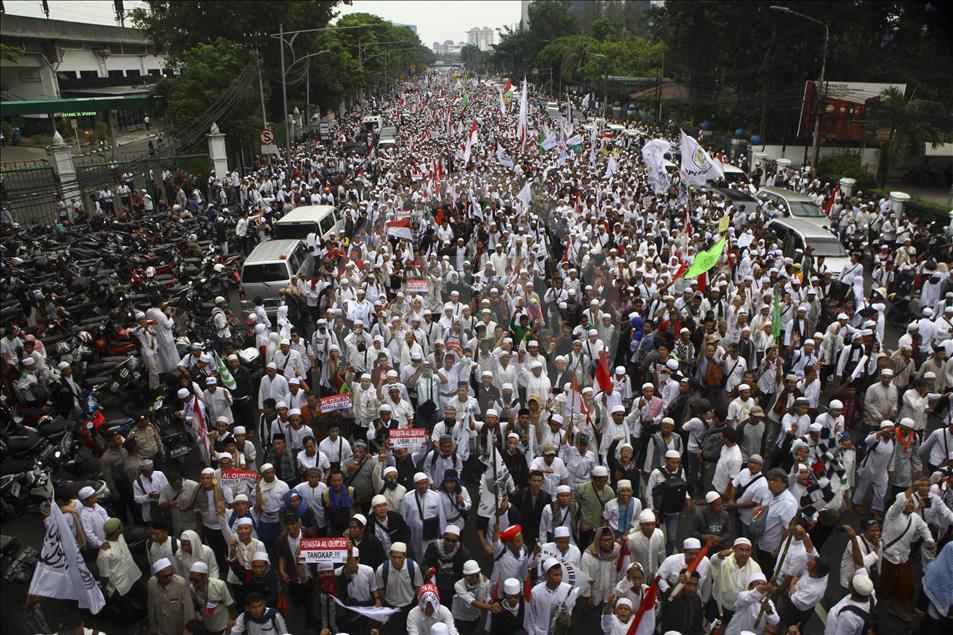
411, 569
668, 497
864, 615
711, 446
274, 625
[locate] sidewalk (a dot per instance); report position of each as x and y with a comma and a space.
31, 153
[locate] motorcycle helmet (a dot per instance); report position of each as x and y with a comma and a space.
85, 337
219, 268
176, 208
194, 237
150, 272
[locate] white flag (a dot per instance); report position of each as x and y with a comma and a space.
697, 167
610, 168
549, 142
60, 571
585, 102
525, 196
475, 208
502, 104
503, 157
653, 154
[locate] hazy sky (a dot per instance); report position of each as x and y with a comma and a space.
436, 21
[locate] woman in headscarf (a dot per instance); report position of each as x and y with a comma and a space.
632, 586
602, 564
192, 550
296, 505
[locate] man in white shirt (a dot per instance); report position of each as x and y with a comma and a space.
729, 463
118, 571
779, 510
848, 616
146, 489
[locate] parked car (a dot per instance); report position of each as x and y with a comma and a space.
795, 205
807, 234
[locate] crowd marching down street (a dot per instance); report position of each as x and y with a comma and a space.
544, 374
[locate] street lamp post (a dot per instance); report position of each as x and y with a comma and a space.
290, 42
605, 81
815, 142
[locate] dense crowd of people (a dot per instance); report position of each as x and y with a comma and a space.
607, 441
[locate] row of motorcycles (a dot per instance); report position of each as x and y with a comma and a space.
83, 285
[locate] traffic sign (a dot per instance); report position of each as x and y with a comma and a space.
267, 136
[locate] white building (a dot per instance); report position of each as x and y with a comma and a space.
483, 38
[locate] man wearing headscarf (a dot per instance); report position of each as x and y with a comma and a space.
429, 612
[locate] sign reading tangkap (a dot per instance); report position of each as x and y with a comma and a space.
410, 438
335, 403
235, 477
315, 550
416, 285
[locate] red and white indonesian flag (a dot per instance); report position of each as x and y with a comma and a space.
399, 229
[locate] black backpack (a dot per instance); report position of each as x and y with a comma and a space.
668, 497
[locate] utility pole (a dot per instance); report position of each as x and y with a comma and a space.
284, 93
261, 90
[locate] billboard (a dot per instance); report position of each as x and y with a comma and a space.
843, 106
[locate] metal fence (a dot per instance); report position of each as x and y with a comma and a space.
30, 190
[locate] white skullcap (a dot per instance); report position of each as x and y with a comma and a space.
673, 454
470, 567
617, 408
886, 424
743, 387
600, 471
862, 585
183, 393
199, 567
241, 522
399, 547
561, 532
711, 497
390, 469
379, 499
420, 476
260, 556
624, 602
452, 529
756, 577
741, 541
549, 564
692, 543
648, 384
85, 493
267, 466
646, 516
836, 404
208, 471
815, 427
563, 489
511, 586
211, 381
624, 484
160, 564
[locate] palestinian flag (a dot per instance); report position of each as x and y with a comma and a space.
508, 91
399, 229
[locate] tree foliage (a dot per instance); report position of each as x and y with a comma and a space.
474, 60
206, 72
912, 123
745, 65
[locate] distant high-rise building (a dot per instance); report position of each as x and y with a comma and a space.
524, 14
483, 38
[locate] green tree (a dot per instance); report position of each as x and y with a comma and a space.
474, 60
908, 124
10, 53
206, 73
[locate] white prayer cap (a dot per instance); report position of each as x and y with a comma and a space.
648, 384
160, 564
646, 516
691, 543
398, 547
907, 422
862, 585
549, 564
600, 471
183, 393
673, 454
267, 466
240, 498
208, 471
743, 387
741, 541
815, 427
199, 567
886, 424
561, 532
624, 602
836, 404
211, 381
511, 586
260, 556
241, 522
379, 499
470, 567
85, 493
452, 529
617, 408
420, 476
563, 489
361, 518
624, 484
390, 469
491, 412
28, 361
711, 497
756, 577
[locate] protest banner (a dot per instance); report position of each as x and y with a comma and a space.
417, 285
409, 438
335, 403
234, 477
314, 550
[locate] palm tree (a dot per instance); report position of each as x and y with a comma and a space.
910, 123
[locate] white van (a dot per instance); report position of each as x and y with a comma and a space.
269, 268
301, 221
372, 123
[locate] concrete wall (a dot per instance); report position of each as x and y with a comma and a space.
84, 59
870, 157
29, 77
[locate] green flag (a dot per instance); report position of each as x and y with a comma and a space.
776, 317
224, 374
465, 98
705, 260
